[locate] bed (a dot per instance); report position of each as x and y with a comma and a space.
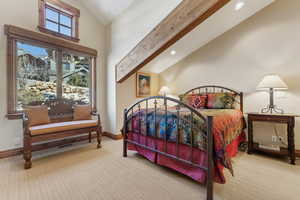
191, 139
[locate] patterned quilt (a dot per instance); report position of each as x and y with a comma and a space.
228, 124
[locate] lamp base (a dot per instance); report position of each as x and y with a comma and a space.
272, 109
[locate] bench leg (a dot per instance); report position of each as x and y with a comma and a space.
27, 152
99, 134
90, 137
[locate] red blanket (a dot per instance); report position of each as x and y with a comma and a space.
228, 134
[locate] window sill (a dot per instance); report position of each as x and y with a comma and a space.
13, 116
44, 30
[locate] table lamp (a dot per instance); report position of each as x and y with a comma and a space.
272, 82
164, 91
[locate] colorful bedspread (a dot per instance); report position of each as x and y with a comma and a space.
228, 125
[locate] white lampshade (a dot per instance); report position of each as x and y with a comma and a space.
272, 81
164, 90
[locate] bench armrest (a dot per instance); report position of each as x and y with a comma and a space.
25, 120
25, 124
93, 113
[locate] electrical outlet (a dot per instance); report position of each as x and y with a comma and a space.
280, 138
274, 138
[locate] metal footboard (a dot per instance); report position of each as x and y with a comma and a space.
165, 108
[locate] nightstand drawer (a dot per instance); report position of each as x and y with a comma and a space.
275, 118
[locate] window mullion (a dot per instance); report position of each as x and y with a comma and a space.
59, 87
93, 87
50, 20
90, 84
59, 22
72, 21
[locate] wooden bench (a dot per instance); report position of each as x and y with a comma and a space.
61, 125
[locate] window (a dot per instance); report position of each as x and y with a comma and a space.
59, 19
76, 79
45, 68
36, 74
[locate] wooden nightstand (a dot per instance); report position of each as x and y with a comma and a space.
288, 119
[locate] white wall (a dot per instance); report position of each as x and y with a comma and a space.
265, 43
125, 32
24, 13
127, 94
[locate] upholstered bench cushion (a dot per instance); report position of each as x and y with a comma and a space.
62, 126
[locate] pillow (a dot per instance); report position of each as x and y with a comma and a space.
220, 100
199, 101
182, 97
195, 100
37, 115
82, 112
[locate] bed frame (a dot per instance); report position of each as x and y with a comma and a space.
208, 120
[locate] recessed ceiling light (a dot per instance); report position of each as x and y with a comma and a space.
239, 5
173, 52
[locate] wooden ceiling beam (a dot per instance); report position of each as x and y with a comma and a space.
183, 19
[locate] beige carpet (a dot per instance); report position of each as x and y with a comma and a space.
82, 172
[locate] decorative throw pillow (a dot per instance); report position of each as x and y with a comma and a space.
199, 101
220, 100
195, 100
82, 112
37, 115
185, 98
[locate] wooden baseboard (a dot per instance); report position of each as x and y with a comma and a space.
11, 152
298, 153
113, 136
39, 147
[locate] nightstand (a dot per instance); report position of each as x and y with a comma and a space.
288, 119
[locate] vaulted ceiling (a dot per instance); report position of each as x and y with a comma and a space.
107, 10
226, 18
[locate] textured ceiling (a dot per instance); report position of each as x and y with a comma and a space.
107, 10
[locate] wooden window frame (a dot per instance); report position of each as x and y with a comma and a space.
62, 8
15, 34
